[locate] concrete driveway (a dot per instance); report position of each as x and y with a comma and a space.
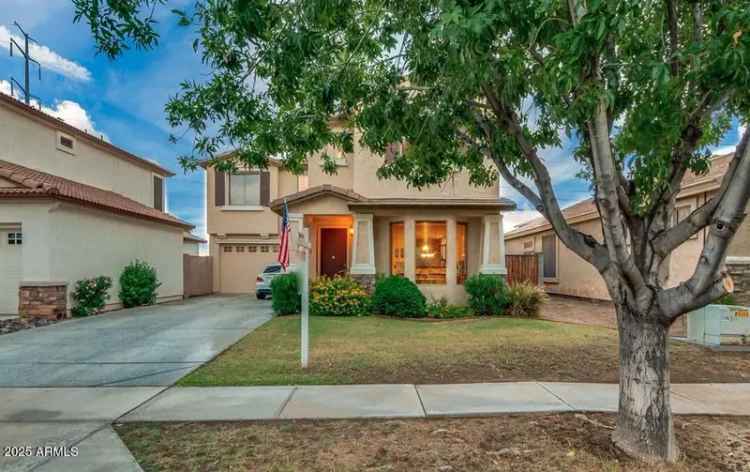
149, 346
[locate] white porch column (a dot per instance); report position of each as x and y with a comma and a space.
296, 224
493, 247
410, 252
363, 245
450, 248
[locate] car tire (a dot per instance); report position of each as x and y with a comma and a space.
261, 296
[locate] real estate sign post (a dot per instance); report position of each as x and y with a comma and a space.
305, 272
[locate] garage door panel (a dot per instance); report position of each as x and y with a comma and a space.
240, 266
11, 270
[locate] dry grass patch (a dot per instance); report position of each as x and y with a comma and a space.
564, 442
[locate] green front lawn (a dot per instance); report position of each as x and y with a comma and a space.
384, 350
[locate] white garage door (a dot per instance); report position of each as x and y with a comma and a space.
11, 268
241, 264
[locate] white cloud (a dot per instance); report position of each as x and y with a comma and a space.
511, 219
68, 111
46, 57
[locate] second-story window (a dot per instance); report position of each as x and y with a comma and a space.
244, 189
158, 193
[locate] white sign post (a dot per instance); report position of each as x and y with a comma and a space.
305, 273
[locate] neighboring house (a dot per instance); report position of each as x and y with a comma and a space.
73, 206
191, 244
566, 273
358, 225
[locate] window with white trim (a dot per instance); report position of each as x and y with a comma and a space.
15, 239
65, 143
244, 189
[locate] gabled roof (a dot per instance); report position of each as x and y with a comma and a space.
586, 209
315, 192
18, 106
35, 184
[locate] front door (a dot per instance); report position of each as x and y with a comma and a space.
333, 251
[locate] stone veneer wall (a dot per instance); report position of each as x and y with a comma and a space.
43, 300
366, 280
739, 269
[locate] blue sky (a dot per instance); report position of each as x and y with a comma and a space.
124, 99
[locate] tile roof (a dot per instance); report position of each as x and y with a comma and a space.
20, 107
36, 184
716, 171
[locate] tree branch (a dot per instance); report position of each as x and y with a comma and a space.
729, 214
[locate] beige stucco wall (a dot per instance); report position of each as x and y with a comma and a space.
578, 278
67, 242
88, 243
32, 144
740, 246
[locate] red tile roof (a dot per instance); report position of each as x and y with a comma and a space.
716, 171
20, 107
36, 184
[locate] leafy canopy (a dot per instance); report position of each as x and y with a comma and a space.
423, 71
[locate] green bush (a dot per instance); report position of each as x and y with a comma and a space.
90, 295
398, 296
138, 284
525, 299
442, 310
338, 296
726, 299
488, 294
285, 296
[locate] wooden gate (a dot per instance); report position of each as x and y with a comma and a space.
522, 268
197, 275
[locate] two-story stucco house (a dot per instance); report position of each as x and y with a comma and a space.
358, 225
73, 206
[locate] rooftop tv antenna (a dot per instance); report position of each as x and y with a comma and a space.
27, 60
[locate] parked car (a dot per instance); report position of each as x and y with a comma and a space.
263, 280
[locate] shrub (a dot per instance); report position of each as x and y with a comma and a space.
488, 294
726, 299
398, 296
525, 299
443, 310
338, 296
90, 295
285, 294
138, 284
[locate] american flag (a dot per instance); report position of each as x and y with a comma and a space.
284, 243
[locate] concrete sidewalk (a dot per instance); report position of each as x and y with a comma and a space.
81, 417
418, 401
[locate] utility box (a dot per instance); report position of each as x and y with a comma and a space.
716, 325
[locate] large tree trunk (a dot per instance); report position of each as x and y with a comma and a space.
644, 421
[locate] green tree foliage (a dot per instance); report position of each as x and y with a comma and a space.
644, 87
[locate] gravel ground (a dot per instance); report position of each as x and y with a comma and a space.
12, 325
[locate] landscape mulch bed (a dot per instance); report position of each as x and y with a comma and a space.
12, 325
532, 442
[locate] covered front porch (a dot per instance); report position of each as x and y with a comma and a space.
435, 243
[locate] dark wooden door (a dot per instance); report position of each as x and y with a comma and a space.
332, 251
